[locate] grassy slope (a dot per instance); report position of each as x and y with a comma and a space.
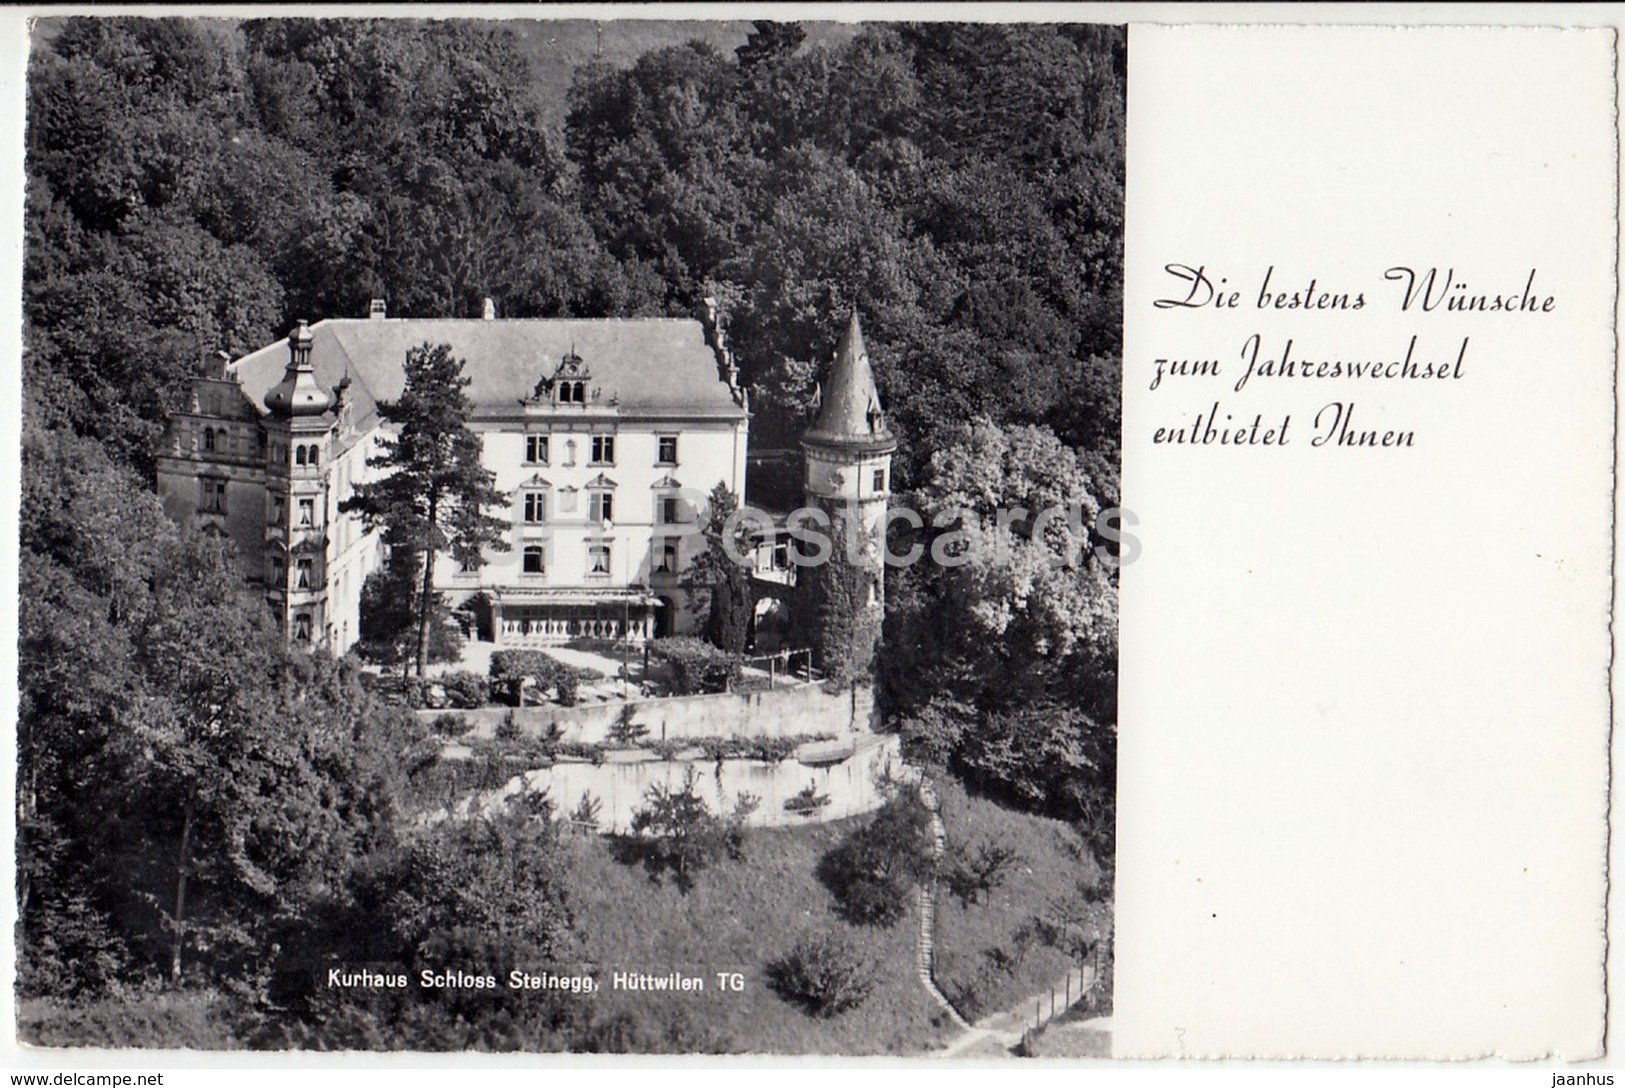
1050, 863
738, 917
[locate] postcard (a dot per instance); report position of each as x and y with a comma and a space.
1070, 533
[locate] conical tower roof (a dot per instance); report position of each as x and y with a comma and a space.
849, 415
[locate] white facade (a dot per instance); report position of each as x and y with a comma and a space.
606, 436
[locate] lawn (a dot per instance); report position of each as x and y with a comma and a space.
983, 963
739, 917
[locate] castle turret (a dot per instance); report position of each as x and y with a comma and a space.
848, 475
298, 429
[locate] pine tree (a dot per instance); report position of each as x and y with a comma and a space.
727, 624
436, 492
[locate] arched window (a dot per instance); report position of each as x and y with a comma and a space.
315, 455
208, 438
535, 560
299, 455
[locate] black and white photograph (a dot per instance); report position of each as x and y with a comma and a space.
811, 540
570, 536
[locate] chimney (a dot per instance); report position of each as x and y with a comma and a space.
377, 310
488, 310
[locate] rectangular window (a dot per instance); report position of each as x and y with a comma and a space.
601, 506
535, 560
568, 503
536, 449
667, 561
668, 449
598, 559
535, 506
669, 510
603, 449
880, 479
307, 513
214, 496
306, 570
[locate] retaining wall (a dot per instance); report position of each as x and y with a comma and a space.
852, 785
782, 712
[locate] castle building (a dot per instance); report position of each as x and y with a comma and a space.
605, 435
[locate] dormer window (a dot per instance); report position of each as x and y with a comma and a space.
570, 380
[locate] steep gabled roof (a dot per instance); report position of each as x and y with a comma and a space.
656, 366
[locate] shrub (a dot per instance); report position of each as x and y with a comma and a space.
766, 749
569, 687
538, 805
873, 869
822, 973
677, 832
734, 830
972, 878
808, 801
508, 727
451, 725
587, 812
466, 690
511, 668
626, 733
578, 749
696, 665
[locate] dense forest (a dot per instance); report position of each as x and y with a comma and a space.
189, 794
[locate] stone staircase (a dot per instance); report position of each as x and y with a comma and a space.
925, 957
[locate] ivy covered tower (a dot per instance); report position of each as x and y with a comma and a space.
297, 453
848, 475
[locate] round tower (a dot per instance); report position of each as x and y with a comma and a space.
848, 475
